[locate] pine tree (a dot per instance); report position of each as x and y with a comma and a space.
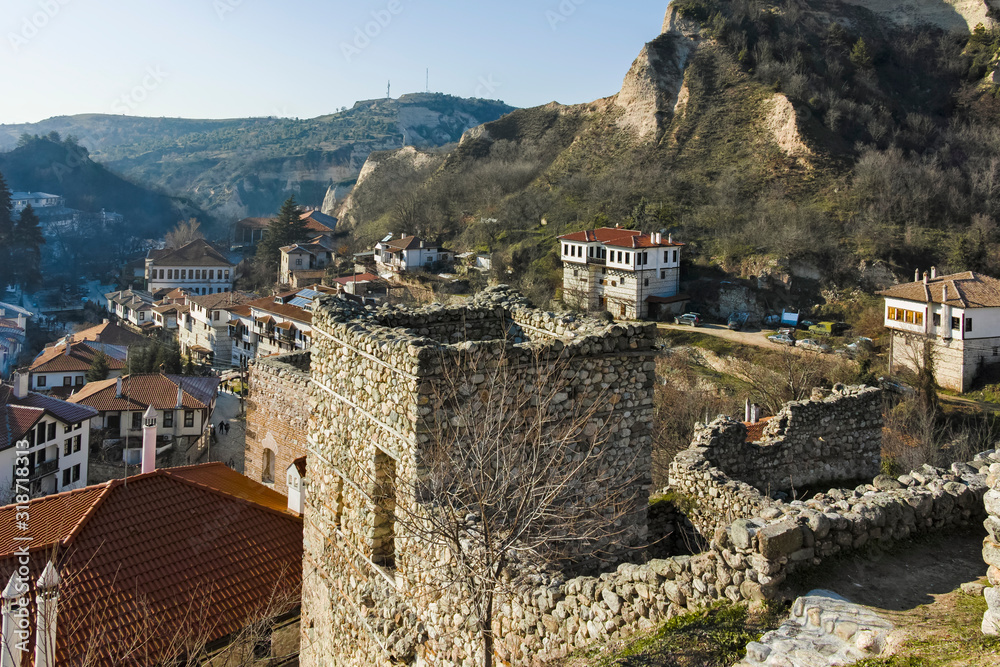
98, 368
284, 230
6, 235
26, 242
861, 57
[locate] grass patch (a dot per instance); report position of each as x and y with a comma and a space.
713, 637
716, 344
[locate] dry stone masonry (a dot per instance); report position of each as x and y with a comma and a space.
370, 595
277, 416
991, 544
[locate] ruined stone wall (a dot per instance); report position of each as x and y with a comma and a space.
371, 590
277, 414
991, 545
833, 439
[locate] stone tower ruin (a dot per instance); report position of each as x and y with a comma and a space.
367, 596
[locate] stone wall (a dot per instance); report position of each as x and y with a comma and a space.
991, 545
277, 414
372, 590
827, 440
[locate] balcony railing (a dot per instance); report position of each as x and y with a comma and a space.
44, 470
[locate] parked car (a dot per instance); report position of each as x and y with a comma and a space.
688, 318
829, 328
790, 331
737, 321
896, 387
781, 339
805, 324
814, 346
862, 344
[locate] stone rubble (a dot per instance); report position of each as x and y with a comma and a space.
823, 630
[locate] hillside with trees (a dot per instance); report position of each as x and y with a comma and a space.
799, 137
245, 167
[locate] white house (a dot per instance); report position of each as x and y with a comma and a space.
197, 267
628, 273
313, 255
203, 326
56, 435
958, 314
274, 324
407, 253
37, 200
62, 368
132, 307
183, 405
13, 333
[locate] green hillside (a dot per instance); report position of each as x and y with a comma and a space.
889, 154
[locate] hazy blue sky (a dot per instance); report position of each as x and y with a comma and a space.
229, 58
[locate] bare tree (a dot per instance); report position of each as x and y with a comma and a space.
185, 232
515, 480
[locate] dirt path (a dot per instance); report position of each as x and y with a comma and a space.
916, 587
756, 338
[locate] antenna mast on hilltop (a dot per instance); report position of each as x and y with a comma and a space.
388, 87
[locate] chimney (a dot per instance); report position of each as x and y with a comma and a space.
296, 482
925, 277
747, 411
670, 238
69, 345
22, 321
47, 605
180, 397
118, 387
916, 275
755, 413
105, 321
944, 293
149, 440
20, 382
933, 272
15, 613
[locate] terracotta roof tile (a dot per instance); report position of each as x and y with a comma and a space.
361, 277
965, 290
80, 357
619, 238
755, 432
223, 300
137, 557
142, 390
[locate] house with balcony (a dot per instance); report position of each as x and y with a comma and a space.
54, 437
248, 232
274, 324
203, 326
957, 318
631, 274
132, 308
183, 405
197, 267
407, 253
62, 368
310, 257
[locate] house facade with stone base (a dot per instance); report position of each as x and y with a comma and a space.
628, 273
951, 322
372, 593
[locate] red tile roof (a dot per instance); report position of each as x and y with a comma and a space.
142, 390
81, 356
291, 312
150, 559
361, 277
221, 300
111, 334
965, 290
619, 238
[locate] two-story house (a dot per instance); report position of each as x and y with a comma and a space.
407, 253
957, 315
631, 274
197, 267
133, 308
183, 405
62, 368
55, 436
203, 326
313, 256
274, 324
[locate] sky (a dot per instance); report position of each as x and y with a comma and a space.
305, 58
